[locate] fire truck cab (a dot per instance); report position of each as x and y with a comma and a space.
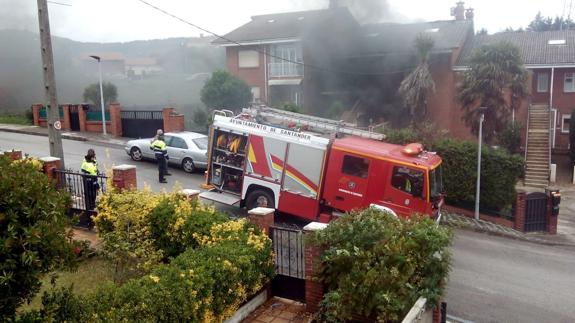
315, 178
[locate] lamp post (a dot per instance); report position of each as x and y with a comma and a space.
477, 189
101, 93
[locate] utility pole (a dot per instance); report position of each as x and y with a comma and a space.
478, 187
54, 126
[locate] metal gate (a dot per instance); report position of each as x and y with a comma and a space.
75, 117
536, 212
288, 247
141, 124
82, 192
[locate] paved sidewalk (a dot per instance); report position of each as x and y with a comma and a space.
279, 310
70, 135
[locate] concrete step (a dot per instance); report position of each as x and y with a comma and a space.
536, 184
537, 176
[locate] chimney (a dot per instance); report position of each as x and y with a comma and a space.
459, 11
469, 14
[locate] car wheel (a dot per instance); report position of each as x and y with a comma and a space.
260, 198
136, 154
188, 165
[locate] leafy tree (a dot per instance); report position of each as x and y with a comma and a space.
482, 31
540, 23
510, 138
224, 90
33, 238
415, 88
92, 93
496, 80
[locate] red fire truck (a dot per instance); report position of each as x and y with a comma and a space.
255, 160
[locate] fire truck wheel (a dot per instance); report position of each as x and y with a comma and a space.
259, 198
188, 165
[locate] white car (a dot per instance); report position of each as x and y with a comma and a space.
185, 149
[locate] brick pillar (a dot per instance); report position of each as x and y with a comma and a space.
313, 289
115, 120
173, 122
190, 194
551, 220
66, 121
14, 154
262, 217
36, 113
124, 177
48, 166
82, 117
520, 205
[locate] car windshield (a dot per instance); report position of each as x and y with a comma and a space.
436, 182
202, 143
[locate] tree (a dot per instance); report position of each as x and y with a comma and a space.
496, 80
224, 90
33, 237
92, 93
540, 23
482, 31
415, 88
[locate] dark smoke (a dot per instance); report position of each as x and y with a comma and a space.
18, 14
369, 11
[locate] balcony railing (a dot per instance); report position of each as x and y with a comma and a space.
285, 70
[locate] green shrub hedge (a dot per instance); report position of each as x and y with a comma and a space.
377, 266
500, 172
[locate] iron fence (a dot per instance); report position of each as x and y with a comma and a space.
288, 246
83, 189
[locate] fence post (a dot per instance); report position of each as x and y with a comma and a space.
520, 209
66, 119
36, 113
551, 219
314, 289
124, 177
115, 120
190, 194
14, 154
49, 164
262, 217
82, 117
173, 122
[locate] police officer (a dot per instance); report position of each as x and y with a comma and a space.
91, 186
160, 132
161, 153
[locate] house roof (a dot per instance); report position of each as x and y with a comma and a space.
533, 46
283, 26
394, 37
141, 61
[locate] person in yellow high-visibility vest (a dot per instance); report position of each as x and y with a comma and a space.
161, 153
91, 186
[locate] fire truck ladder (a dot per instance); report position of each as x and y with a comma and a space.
321, 124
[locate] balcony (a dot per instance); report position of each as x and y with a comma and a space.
285, 70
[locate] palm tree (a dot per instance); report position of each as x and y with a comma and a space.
419, 83
496, 80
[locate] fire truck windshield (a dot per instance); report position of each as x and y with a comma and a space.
436, 182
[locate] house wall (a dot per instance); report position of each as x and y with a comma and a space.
563, 101
253, 76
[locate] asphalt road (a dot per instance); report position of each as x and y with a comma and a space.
107, 156
493, 279
497, 279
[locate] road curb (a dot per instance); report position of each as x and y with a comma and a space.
64, 136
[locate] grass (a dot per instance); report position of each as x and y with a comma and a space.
14, 119
90, 274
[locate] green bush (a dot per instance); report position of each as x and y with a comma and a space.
377, 266
203, 284
500, 172
425, 133
510, 138
225, 91
33, 235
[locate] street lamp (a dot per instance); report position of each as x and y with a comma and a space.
481, 119
101, 93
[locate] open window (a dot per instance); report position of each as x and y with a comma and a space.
408, 180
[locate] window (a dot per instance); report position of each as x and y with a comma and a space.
408, 180
565, 121
202, 143
569, 84
355, 166
248, 58
256, 93
178, 142
542, 82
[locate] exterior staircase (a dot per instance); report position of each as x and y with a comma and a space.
537, 155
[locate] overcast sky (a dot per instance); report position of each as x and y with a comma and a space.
125, 20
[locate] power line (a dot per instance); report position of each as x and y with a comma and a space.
60, 3
266, 53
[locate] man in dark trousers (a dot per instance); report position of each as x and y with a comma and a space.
91, 186
161, 153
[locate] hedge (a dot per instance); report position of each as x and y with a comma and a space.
375, 265
500, 172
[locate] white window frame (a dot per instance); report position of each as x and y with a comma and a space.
572, 77
248, 59
563, 117
542, 82
256, 93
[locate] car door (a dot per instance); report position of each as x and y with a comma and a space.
177, 149
405, 194
197, 150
